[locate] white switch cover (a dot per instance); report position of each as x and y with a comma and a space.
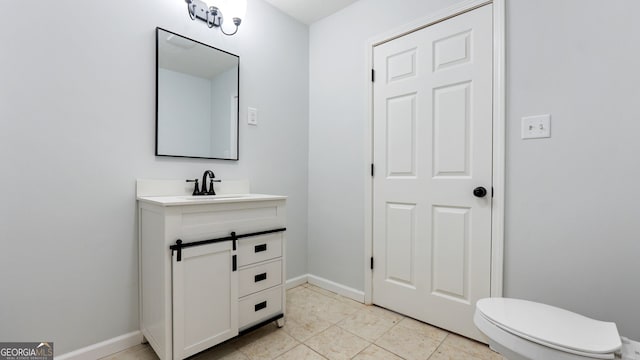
252, 116
535, 127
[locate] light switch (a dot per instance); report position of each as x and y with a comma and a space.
536, 127
252, 116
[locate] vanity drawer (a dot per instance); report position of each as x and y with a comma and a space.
259, 248
260, 306
259, 277
212, 221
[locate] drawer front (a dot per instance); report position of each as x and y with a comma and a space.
259, 248
260, 306
259, 277
200, 222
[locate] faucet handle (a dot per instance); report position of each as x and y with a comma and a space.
196, 189
211, 190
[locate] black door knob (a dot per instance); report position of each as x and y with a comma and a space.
480, 192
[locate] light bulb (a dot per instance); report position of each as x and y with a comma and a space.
233, 8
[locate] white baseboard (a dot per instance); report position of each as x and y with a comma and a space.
340, 289
105, 348
297, 281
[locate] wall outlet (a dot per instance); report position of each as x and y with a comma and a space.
536, 127
252, 116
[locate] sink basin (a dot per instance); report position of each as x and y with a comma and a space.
213, 197
177, 200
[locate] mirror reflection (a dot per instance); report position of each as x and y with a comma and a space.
196, 99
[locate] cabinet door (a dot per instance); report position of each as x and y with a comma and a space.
205, 298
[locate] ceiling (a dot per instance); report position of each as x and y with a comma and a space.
310, 11
186, 56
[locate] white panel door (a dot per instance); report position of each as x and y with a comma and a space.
432, 148
205, 298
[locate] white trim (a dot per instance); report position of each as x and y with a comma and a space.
339, 289
296, 281
499, 149
234, 125
105, 348
368, 182
439, 16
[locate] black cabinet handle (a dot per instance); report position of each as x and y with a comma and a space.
260, 277
260, 306
260, 248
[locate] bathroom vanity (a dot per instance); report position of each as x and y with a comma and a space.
211, 267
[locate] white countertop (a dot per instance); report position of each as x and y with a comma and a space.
177, 200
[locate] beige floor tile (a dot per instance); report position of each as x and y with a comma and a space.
367, 325
336, 328
384, 313
265, 343
300, 297
335, 296
295, 289
337, 344
408, 343
323, 307
335, 311
358, 305
301, 303
138, 352
445, 352
226, 351
374, 352
303, 325
322, 291
424, 329
471, 347
300, 352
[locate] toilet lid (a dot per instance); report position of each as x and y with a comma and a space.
551, 326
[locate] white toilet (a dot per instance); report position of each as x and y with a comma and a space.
520, 329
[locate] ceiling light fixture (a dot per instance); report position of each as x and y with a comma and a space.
212, 15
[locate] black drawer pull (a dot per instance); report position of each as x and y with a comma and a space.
260, 306
261, 248
260, 277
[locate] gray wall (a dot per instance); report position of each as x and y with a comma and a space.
77, 127
571, 234
185, 116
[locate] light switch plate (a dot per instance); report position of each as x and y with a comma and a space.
536, 127
252, 116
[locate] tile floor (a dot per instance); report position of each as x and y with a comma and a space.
323, 325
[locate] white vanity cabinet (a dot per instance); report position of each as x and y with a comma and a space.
226, 277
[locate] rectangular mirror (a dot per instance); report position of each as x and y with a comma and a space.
197, 100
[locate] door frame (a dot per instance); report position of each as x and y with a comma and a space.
499, 136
